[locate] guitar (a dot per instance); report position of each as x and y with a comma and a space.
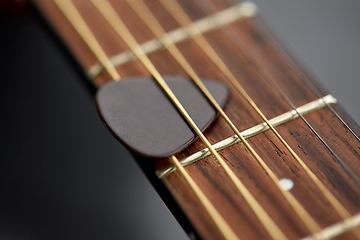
215, 233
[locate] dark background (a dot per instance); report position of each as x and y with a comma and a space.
62, 175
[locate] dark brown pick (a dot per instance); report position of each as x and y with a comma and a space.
139, 114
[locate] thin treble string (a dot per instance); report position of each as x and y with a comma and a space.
178, 13
74, 17
115, 21
293, 66
150, 20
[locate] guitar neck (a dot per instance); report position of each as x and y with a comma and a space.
313, 150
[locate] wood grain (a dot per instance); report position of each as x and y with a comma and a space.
207, 173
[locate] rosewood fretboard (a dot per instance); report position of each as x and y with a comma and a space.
253, 57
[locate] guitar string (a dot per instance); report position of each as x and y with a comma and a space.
294, 67
115, 21
74, 17
150, 20
236, 40
178, 13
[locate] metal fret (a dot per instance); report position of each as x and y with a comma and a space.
260, 128
336, 229
243, 10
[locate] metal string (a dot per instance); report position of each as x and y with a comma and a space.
150, 20
178, 13
74, 17
115, 21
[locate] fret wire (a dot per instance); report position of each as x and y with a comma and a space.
149, 19
250, 132
240, 11
74, 17
175, 9
215, 215
293, 66
69, 9
115, 21
337, 229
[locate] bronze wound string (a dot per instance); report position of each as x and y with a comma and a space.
115, 21
150, 20
178, 13
74, 17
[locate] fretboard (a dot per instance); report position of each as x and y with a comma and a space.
300, 161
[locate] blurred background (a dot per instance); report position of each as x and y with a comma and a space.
63, 176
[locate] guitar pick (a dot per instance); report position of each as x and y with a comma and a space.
139, 114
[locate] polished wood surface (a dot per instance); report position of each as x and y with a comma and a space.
207, 173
